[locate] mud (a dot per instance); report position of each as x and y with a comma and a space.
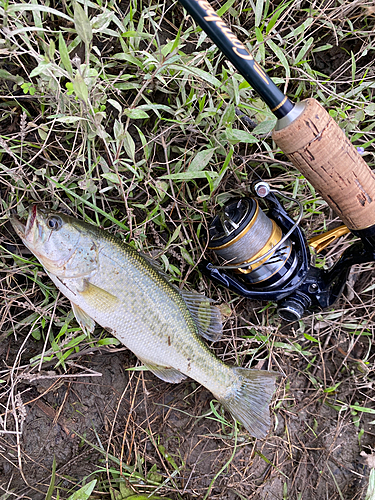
89, 423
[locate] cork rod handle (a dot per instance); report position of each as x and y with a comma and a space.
319, 149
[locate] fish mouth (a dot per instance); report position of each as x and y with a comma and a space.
23, 230
31, 220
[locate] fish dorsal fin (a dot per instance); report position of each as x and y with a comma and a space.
85, 322
98, 298
206, 316
165, 373
156, 266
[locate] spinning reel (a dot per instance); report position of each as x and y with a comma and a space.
266, 257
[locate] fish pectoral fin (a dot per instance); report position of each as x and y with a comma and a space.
98, 298
168, 374
206, 316
84, 320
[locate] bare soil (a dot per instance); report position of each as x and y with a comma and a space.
98, 418
312, 451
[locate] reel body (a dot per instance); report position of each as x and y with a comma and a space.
266, 257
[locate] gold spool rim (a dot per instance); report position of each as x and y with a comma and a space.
277, 270
275, 237
242, 233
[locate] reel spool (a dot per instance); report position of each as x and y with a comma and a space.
252, 244
266, 256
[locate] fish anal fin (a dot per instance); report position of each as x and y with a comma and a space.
206, 315
168, 374
84, 320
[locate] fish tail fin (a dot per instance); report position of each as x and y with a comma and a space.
249, 400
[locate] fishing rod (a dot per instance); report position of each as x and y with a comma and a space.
267, 256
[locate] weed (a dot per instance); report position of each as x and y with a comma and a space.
124, 114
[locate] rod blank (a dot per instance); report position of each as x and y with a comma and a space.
236, 52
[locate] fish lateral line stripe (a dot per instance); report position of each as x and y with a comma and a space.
213, 17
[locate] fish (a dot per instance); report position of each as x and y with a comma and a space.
111, 284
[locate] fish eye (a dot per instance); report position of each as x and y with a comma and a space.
54, 222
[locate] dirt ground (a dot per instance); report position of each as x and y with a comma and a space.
97, 413
97, 418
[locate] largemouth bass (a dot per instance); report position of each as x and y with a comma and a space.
111, 284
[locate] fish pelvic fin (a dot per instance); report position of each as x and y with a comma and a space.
84, 320
206, 316
250, 398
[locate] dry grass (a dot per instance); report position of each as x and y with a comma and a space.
109, 136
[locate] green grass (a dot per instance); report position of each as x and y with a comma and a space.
124, 114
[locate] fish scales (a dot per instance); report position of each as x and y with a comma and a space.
147, 304
111, 284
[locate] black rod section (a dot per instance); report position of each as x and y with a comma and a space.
235, 51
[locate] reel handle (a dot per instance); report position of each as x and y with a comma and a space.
319, 149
